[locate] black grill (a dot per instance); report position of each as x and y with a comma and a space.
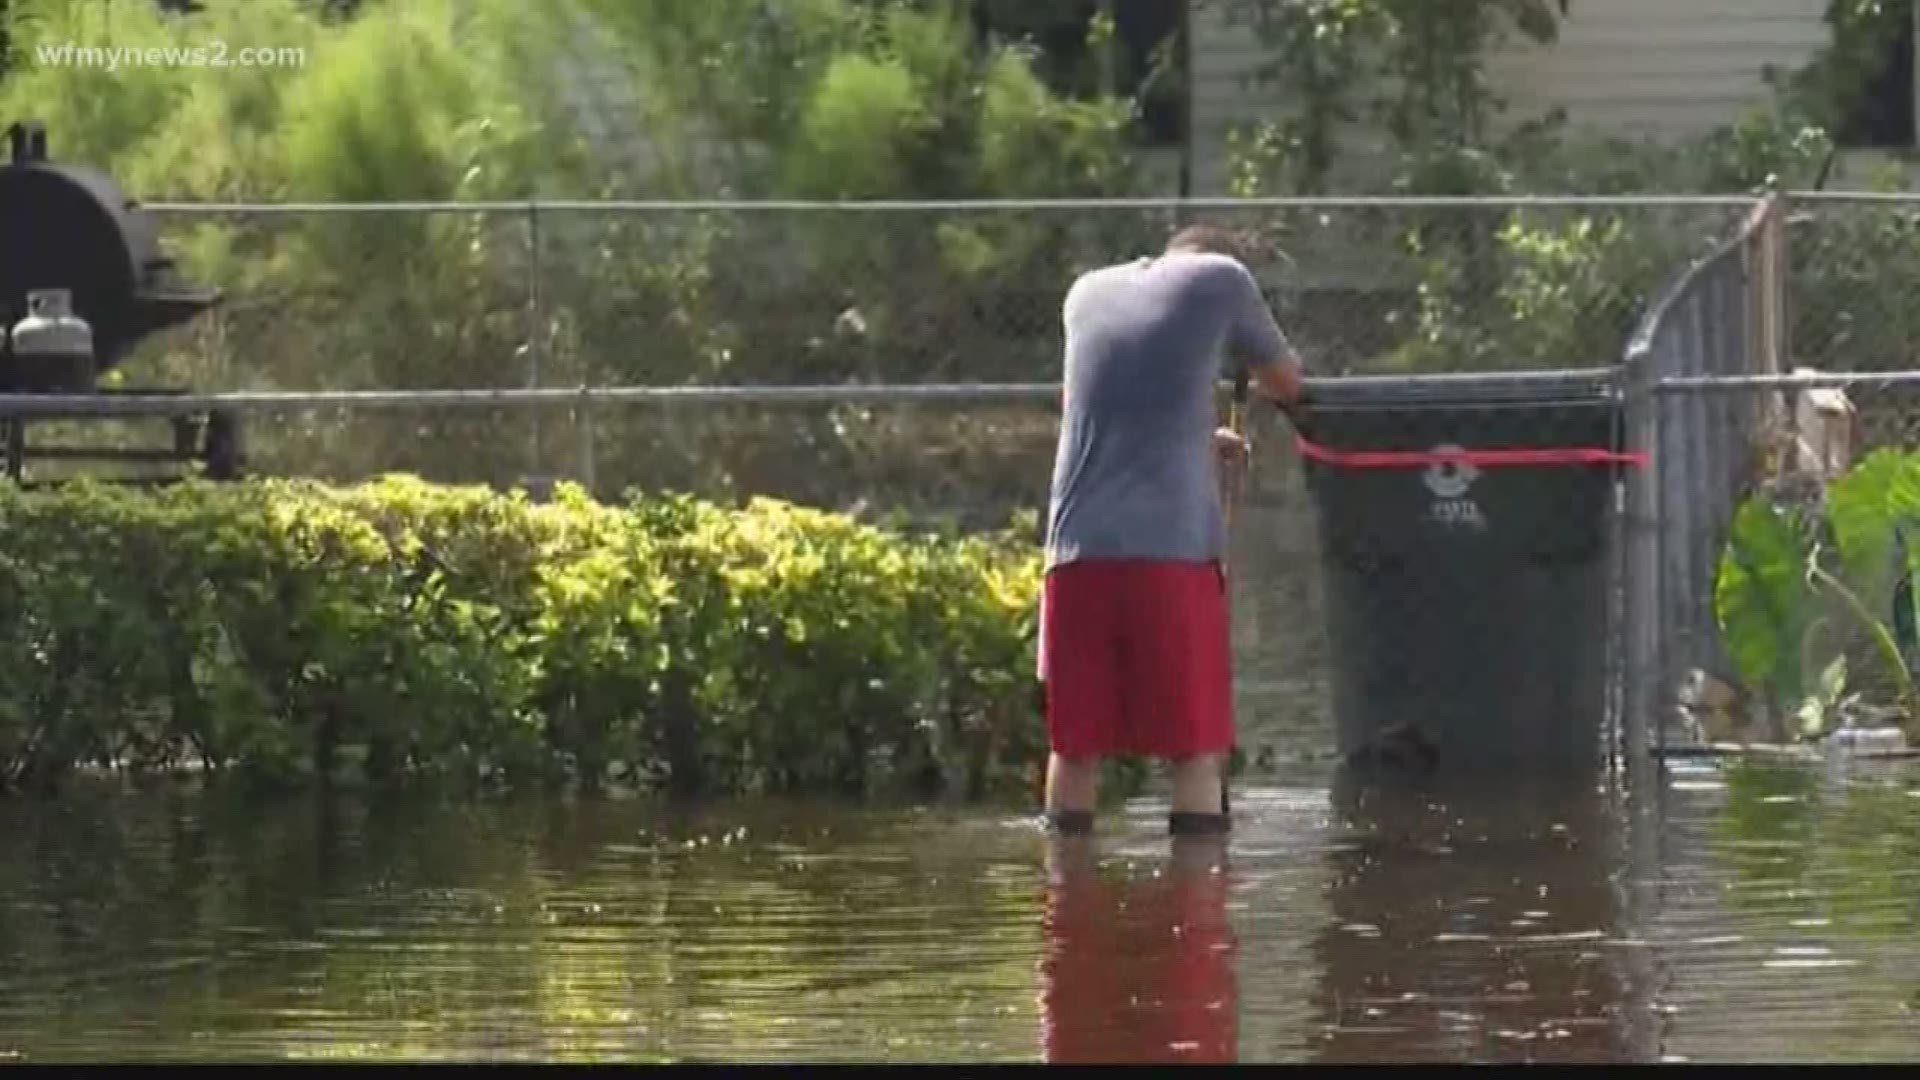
72, 228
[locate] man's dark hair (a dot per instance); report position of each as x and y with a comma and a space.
1214, 240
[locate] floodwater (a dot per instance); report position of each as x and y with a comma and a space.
1727, 912
1758, 914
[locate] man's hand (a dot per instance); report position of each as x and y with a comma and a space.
1231, 446
1234, 453
1282, 382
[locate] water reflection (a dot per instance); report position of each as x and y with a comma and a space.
1139, 968
1787, 913
1469, 923
1772, 917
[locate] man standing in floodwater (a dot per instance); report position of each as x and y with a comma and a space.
1134, 646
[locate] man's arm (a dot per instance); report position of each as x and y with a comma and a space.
1255, 341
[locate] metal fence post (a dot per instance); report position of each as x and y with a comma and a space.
536, 323
1771, 285
1771, 352
583, 423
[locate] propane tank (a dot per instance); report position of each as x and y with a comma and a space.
52, 348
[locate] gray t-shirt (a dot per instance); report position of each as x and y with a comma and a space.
1136, 476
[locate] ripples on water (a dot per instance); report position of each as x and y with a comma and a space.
1753, 914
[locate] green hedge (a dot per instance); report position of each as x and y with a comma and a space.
396, 630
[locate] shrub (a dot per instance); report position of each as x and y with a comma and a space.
285, 630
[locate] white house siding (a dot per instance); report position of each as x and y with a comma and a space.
1223, 95
1664, 68
1668, 69
1661, 68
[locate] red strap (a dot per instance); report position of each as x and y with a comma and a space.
1420, 459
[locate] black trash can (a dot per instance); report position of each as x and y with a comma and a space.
1466, 603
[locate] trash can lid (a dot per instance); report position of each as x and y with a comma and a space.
1545, 388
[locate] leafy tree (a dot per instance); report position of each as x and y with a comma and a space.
480, 99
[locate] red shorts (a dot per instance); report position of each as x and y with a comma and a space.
1136, 658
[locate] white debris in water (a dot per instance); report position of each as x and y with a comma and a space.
1812, 963
1577, 935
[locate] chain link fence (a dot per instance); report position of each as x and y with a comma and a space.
569, 295
1854, 270
1800, 559
1701, 297
1767, 586
1722, 318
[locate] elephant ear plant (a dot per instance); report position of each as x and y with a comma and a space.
1813, 600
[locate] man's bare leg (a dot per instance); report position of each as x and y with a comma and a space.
1199, 802
1071, 787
